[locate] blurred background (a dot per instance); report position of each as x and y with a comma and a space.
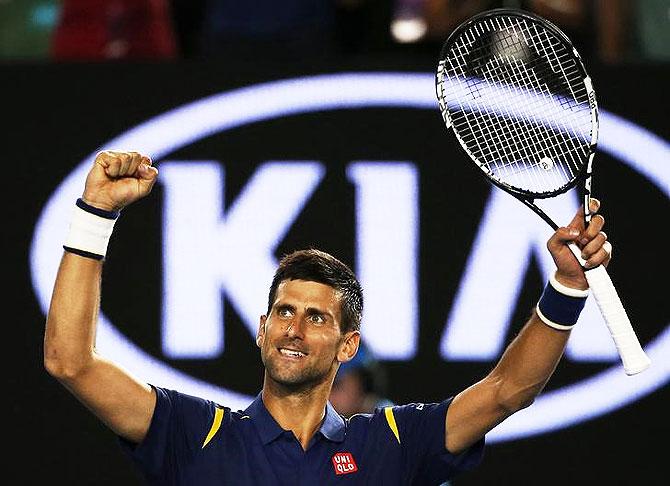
77, 76
608, 31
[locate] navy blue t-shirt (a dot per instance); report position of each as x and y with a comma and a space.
192, 441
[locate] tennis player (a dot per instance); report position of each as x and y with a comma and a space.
290, 434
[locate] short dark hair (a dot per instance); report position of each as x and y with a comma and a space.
318, 266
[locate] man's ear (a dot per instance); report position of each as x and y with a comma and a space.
260, 335
349, 346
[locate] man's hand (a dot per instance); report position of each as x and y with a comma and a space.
118, 179
596, 250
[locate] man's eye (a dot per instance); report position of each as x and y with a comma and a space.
317, 318
284, 312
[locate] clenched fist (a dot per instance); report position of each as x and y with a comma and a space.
118, 179
592, 241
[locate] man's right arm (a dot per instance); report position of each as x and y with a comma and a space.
123, 403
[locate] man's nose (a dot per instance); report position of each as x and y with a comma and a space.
295, 328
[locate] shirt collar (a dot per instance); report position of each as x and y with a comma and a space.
267, 427
332, 427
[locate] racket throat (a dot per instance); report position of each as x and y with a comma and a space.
531, 204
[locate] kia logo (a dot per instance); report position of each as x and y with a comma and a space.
386, 195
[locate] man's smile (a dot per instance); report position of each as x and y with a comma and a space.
291, 353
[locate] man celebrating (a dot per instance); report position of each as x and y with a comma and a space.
290, 434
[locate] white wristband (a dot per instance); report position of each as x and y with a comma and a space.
560, 306
90, 230
569, 291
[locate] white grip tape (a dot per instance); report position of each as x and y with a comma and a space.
632, 355
89, 232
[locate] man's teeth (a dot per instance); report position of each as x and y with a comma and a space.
294, 354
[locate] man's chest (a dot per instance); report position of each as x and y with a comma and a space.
284, 462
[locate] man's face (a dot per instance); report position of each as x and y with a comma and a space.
300, 339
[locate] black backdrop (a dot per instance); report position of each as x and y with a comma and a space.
55, 115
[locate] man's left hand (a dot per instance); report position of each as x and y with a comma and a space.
592, 241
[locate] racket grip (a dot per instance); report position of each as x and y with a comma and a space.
632, 355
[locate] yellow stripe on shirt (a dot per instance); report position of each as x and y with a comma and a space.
390, 418
218, 416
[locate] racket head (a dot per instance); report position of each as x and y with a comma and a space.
516, 94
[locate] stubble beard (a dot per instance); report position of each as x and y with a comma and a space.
293, 378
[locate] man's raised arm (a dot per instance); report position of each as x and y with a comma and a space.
531, 358
119, 400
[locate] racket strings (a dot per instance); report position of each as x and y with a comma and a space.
537, 136
520, 78
571, 79
519, 81
506, 144
517, 99
476, 44
540, 137
544, 139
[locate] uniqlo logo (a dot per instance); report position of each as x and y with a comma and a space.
344, 463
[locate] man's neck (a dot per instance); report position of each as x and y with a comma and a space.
301, 412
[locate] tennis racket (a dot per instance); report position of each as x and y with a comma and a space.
516, 94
